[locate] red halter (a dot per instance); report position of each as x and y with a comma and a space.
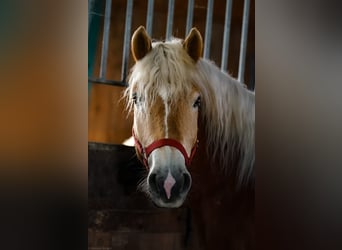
145, 152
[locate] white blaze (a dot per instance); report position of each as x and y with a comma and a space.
165, 119
164, 94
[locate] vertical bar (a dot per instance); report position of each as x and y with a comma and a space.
252, 74
149, 18
243, 45
208, 25
189, 16
90, 9
170, 19
226, 34
125, 53
93, 36
105, 39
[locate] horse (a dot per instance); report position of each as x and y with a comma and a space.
193, 127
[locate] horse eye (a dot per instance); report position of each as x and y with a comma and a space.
197, 103
134, 98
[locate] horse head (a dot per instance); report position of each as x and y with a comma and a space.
166, 106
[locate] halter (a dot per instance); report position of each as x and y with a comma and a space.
145, 152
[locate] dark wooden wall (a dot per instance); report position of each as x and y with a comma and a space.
119, 216
108, 121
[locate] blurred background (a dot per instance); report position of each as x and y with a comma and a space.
45, 105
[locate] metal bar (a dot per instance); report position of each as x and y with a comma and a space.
169, 23
125, 53
90, 8
226, 34
208, 25
243, 46
107, 82
252, 74
189, 16
149, 18
105, 39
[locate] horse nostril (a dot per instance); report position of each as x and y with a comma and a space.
186, 182
152, 181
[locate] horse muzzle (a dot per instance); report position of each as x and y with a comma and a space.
168, 181
169, 188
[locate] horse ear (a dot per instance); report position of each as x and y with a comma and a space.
193, 44
140, 43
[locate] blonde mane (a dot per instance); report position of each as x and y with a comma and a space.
165, 66
228, 107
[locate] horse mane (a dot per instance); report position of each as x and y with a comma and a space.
228, 114
228, 107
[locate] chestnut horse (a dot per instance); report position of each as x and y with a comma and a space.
194, 130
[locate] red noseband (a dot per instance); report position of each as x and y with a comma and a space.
145, 152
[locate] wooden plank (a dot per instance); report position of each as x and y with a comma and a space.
157, 221
113, 176
155, 241
98, 240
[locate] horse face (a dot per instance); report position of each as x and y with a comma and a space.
166, 128
168, 181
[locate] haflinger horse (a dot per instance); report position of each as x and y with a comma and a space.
194, 130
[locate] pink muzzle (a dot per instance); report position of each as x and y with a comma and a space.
145, 152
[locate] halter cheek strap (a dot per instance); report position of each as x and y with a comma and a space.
145, 152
